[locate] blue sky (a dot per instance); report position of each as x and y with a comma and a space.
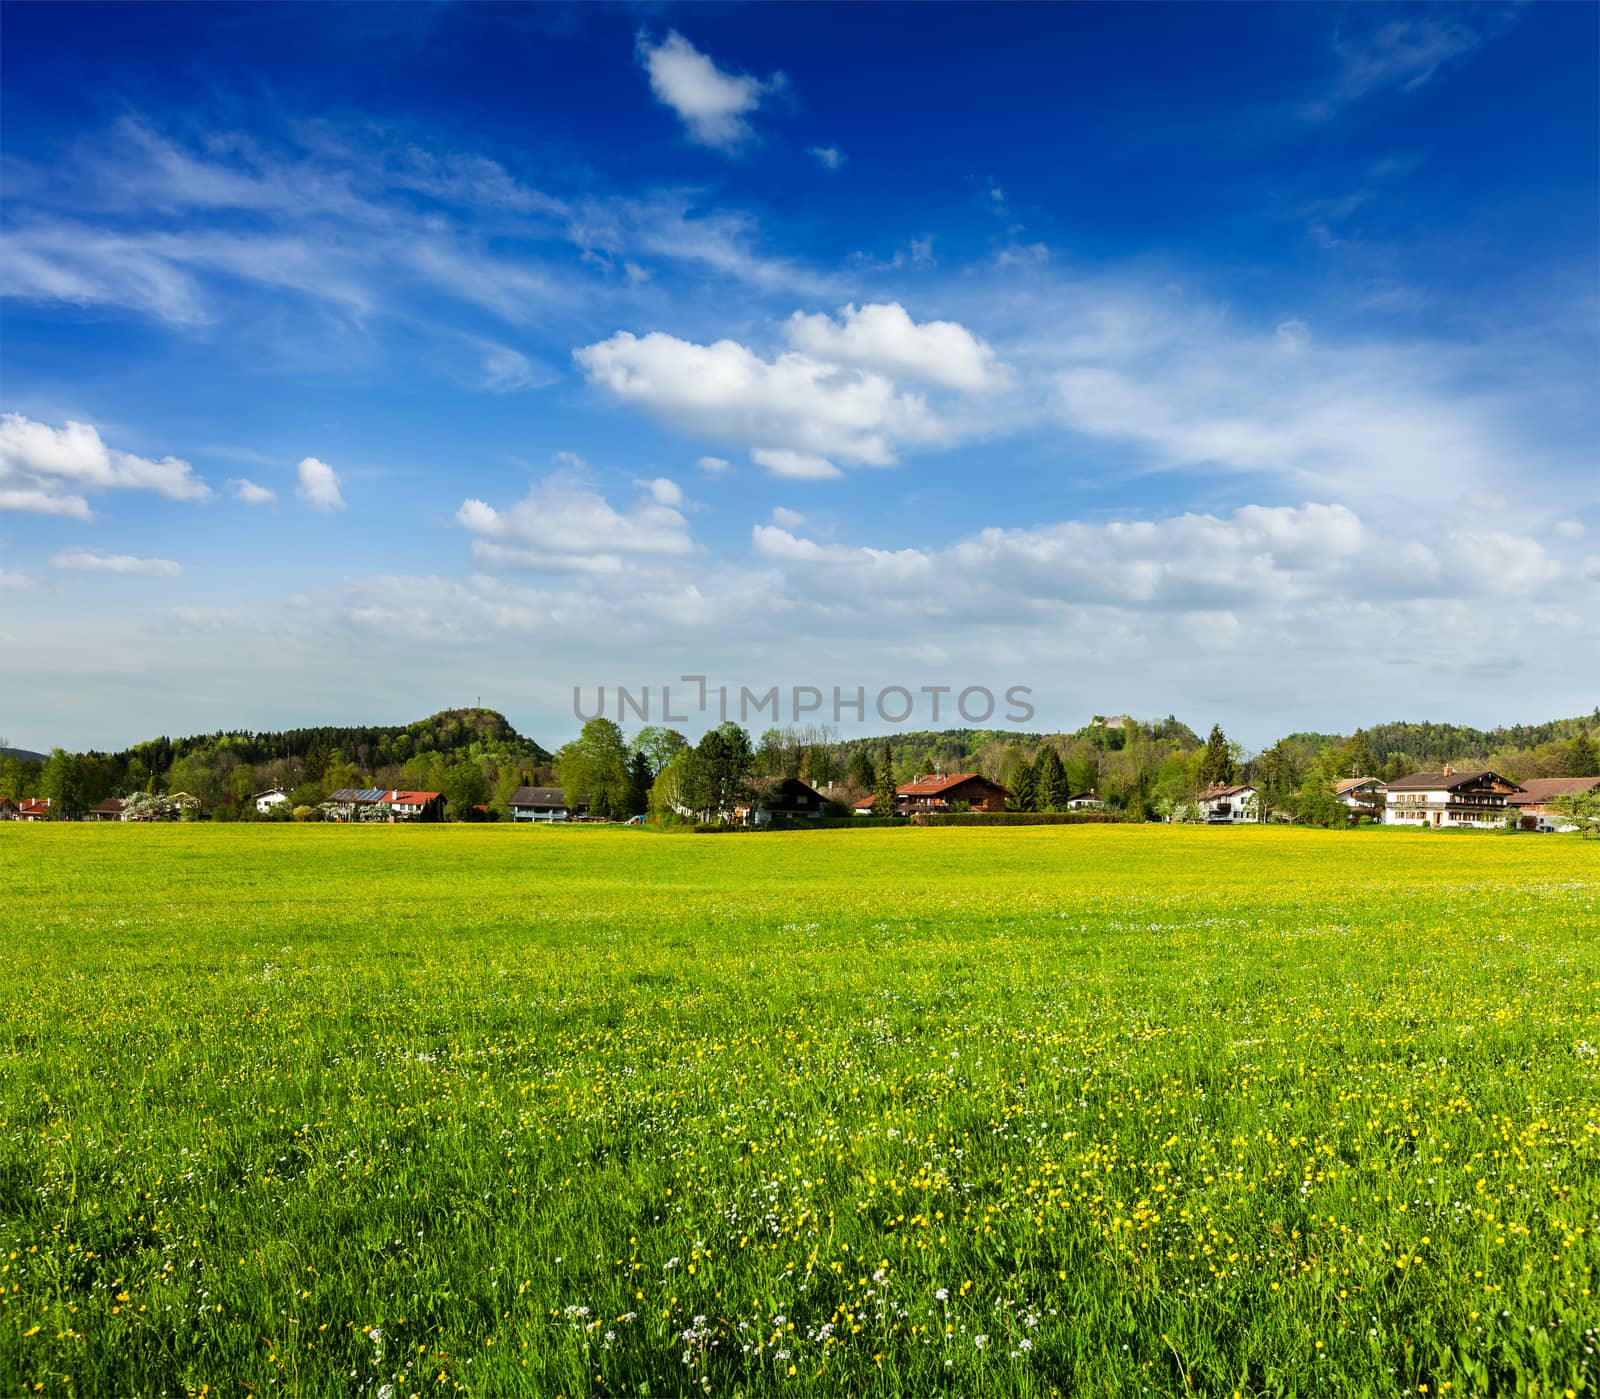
1232, 361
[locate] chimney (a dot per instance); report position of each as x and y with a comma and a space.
1449, 771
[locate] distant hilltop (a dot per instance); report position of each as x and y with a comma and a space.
22, 755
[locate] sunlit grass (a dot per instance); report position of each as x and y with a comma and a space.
1095, 1110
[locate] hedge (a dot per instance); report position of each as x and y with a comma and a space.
1013, 818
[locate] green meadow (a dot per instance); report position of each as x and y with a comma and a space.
1104, 1110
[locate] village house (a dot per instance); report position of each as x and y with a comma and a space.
539, 804
268, 802
33, 809
786, 798
415, 806
1225, 804
1533, 804
8, 809
1363, 795
1084, 801
927, 794
1473, 800
108, 810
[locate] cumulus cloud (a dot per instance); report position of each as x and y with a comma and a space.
713, 104
715, 466
787, 519
828, 157
93, 561
248, 493
791, 407
883, 337
51, 471
1570, 529
563, 525
319, 485
795, 466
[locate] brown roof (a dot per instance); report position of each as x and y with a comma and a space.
111, 806
1443, 781
936, 786
1536, 791
1217, 790
1351, 783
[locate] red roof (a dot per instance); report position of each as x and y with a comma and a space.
398, 798
932, 786
34, 806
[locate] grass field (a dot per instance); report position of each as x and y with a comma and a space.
1093, 1110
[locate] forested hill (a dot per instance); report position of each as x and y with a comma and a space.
1447, 742
451, 733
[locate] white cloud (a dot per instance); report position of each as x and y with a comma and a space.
50, 471
564, 525
828, 157
93, 561
15, 582
795, 466
787, 519
1570, 529
663, 491
794, 404
714, 105
715, 466
319, 485
248, 493
882, 336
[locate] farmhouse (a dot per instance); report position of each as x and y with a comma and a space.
1471, 800
1533, 802
1363, 795
538, 804
787, 798
1224, 804
108, 810
33, 809
1084, 801
353, 803
941, 793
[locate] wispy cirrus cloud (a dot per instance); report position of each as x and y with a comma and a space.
94, 561
1402, 54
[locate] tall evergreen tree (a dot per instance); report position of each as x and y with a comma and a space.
883, 793
860, 770
1024, 788
1217, 766
1050, 781
1582, 759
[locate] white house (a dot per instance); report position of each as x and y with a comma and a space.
1224, 805
1084, 801
1363, 795
268, 802
1475, 800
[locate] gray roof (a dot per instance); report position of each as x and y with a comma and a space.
1444, 781
538, 797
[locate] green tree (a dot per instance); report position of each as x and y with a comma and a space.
725, 759
464, 787
883, 791
1582, 758
1024, 787
62, 783
593, 769
1217, 764
640, 777
1582, 809
659, 744
860, 771
1050, 781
